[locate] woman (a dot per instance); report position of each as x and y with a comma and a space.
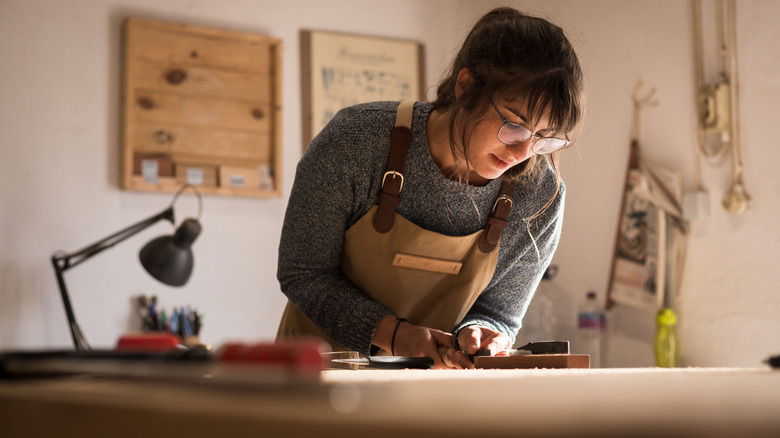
424, 230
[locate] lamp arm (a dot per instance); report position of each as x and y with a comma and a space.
64, 261
70, 260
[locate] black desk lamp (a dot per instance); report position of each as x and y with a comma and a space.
166, 258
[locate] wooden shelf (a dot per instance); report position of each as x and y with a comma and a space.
201, 106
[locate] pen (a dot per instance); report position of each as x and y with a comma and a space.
196, 322
186, 326
143, 312
174, 328
153, 313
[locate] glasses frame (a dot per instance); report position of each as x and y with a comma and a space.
534, 136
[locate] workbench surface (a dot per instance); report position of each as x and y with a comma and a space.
641, 402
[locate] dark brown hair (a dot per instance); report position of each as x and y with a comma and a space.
517, 57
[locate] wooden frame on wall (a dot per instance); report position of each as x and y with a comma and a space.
201, 106
339, 70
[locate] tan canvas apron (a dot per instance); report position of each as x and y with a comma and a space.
429, 278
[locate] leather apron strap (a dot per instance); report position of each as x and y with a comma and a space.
393, 180
498, 218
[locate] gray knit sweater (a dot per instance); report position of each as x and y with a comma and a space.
338, 181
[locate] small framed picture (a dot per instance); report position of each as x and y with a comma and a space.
339, 70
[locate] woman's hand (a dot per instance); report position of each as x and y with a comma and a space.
473, 338
414, 340
411, 340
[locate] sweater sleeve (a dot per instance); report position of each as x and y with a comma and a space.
502, 305
330, 189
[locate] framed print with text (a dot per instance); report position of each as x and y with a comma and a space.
339, 70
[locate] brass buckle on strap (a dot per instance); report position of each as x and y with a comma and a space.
505, 198
394, 174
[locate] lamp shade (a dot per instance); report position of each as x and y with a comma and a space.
169, 258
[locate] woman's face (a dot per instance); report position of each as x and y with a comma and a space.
488, 156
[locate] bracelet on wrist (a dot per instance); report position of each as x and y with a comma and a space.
455, 344
395, 331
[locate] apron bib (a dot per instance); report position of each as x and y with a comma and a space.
429, 278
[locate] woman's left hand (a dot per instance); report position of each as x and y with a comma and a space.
472, 339
475, 337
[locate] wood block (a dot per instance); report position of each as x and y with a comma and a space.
534, 361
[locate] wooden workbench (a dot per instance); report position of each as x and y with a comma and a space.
694, 402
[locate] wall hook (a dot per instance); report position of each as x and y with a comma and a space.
640, 102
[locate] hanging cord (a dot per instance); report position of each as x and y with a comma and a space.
732, 45
712, 154
698, 80
726, 137
720, 37
736, 200
197, 194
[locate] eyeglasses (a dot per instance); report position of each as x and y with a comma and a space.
511, 133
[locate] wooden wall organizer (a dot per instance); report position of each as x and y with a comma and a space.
201, 106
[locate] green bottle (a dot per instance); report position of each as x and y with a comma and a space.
666, 348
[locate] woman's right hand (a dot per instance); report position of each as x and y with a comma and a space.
414, 341
411, 340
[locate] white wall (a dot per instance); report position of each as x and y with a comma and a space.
59, 131
728, 305
59, 168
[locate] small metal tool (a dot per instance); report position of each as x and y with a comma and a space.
543, 347
547, 347
390, 362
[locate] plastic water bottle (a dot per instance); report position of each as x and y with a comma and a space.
591, 322
666, 348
